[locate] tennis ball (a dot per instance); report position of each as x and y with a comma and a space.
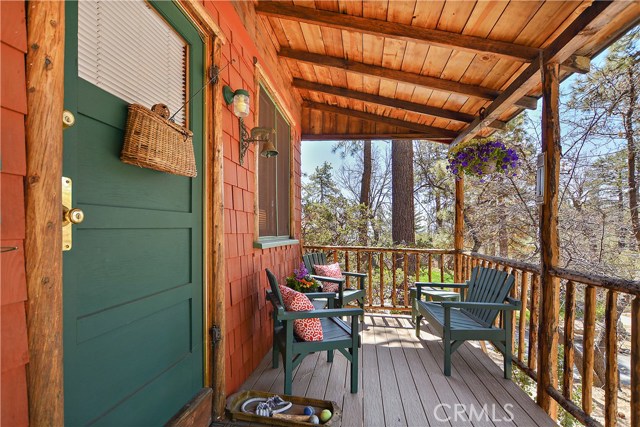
325, 415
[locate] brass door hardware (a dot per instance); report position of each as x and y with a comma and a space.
70, 215
68, 119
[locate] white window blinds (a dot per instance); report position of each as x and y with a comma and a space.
128, 50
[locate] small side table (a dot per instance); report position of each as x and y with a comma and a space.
430, 294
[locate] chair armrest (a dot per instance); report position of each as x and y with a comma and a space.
329, 279
482, 305
352, 274
419, 285
515, 302
317, 295
330, 312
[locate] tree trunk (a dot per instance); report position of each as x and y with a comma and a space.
477, 243
503, 235
365, 192
438, 208
631, 158
402, 209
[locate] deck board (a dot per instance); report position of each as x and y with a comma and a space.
401, 382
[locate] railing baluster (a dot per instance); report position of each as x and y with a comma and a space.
522, 321
406, 281
588, 342
417, 255
442, 267
533, 322
429, 270
569, 317
370, 279
358, 263
381, 279
611, 372
635, 361
394, 291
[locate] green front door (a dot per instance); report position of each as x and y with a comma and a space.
133, 281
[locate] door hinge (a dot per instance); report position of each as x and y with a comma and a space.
216, 335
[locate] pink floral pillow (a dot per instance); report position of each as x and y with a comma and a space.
306, 329
329, 270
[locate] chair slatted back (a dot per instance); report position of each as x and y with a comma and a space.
491, 286
314, 258
273, 282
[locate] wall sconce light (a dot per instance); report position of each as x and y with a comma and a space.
240, 100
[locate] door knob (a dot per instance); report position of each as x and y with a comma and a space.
73, 216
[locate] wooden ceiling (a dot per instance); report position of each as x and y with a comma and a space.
385, 69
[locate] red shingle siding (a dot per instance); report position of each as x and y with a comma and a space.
248, 323
13, 291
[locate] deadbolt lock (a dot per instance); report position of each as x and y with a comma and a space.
70, 215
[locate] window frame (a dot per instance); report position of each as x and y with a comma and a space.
264, 242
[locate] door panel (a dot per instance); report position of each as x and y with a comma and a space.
133, 282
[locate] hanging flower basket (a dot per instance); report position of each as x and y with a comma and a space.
483, 159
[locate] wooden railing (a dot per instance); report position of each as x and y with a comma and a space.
574, 284
392, 271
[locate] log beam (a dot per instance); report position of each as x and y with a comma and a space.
391, 102
577, 64
589, 22
549, 240
408, 33
369, 136
447, 86
458, 228
434, 132
43, 242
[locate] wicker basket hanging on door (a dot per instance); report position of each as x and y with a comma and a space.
152, 141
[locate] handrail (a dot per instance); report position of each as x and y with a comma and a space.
381, 249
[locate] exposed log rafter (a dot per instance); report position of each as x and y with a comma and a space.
443, 85
390, 102
590, 21
430, 131
398, 31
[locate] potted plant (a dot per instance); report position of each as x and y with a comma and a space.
482, 159
302, 281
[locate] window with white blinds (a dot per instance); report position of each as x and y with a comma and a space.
128, 50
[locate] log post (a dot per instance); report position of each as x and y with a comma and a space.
458, 231
635, 362
43, 240
611, 358
549, 240
217, 300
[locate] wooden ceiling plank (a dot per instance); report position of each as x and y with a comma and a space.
435, 132
411, 78
397, 30
590, 21
371, 136
390, 102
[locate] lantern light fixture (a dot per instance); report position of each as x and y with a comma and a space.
240, 100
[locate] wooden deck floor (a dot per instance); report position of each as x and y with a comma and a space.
402, 383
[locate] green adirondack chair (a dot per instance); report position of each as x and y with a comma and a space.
472, 319
338, 335
344, 296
